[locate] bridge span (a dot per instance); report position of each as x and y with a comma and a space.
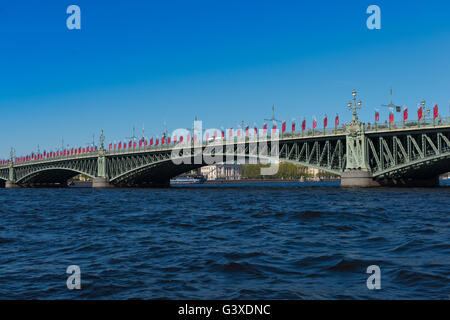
411, 153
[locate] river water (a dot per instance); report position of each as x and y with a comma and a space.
243, 241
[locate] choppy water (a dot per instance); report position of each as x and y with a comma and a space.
272, 241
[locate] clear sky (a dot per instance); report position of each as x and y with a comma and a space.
141, 63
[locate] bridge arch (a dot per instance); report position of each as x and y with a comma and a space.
429, 167
51, 175
163, 170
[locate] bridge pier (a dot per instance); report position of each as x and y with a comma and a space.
101, 182
11, 185
358, 179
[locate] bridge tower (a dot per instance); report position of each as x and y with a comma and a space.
356, 172
101, 180
11, 183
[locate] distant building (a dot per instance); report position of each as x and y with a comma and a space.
313, 171
222, 171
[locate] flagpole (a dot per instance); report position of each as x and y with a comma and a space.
403, 119
423, 110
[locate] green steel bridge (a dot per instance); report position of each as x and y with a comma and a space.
411, 153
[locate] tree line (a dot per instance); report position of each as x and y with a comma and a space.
285, 171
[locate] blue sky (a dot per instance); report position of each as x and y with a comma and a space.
145, 62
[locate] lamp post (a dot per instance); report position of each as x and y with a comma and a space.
423, 110
356, 105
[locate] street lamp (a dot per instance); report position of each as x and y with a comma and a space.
355, 106
422, 103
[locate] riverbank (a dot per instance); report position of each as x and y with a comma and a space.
269, 181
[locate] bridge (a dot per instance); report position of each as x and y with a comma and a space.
408, 153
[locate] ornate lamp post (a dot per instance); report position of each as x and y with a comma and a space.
102, 140
422, 103
354, 106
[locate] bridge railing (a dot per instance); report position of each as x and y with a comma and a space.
231, 140
407, 125
309, 133
53, 158
281, 135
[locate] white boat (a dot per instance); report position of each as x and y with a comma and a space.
191, 179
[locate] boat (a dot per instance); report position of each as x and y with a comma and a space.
188, 179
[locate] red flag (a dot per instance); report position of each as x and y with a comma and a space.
239, 133
391, 117
405, 114
420, 113
181, 139
134, 145
325, 121
223, 134
256, 130
151, 141
163, 139
304, 125
265, 128
283, 127
207, 136
110, 146
168, 140
293, 126
130, 144
140, 143
230, 133
336, 121
435, 112
314, 123
377, 116
215, 134
246, 131
188, 137
274, 128
157, 142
